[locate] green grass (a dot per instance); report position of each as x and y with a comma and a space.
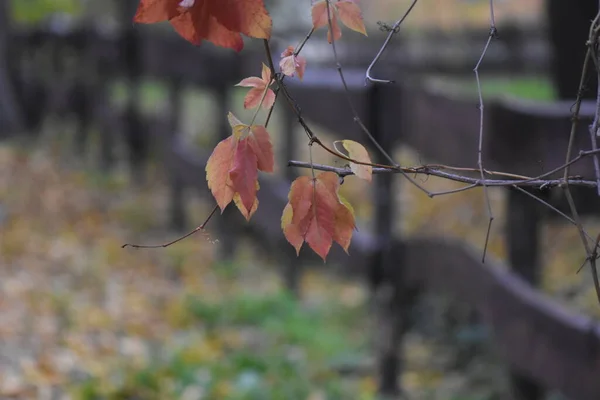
281, 349
524, 87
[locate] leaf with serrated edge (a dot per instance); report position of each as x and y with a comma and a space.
260, 141
291, 232
217, 172
244, 173
351, 16
238, 203
218, 21
258, 85
320, 19
317, 215
344, 224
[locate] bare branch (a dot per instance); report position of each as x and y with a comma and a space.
493, 33
393, 30
476, 182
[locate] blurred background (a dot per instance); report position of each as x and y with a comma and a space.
105, 129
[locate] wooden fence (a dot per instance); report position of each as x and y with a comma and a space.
546, 347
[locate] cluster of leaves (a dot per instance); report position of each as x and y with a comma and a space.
315, 213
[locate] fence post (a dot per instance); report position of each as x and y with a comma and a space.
522, 237
177, 209
292, 272
10, 113
137, 141
226, 225
383, 273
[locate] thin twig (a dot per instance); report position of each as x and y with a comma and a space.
567, 190
394, 30
156, 246
426, 170
550, 206
355, 113
338, 66
593, 47
493, 33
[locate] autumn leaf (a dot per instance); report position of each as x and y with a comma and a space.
232, 169
356, 151
291, 64
258, 85
316, 214
218, 21
347, 11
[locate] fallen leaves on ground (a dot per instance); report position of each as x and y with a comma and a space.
81, 315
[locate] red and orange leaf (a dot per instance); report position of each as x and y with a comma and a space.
244, 173
153, 11
344, 224
300, 198
315, 214
217, 169
351, 15
291, 231
322, 225
218, 21
291, 64
357, 151
347, 11
238, 203
249, 17
320, 18
260, 142
258, 85
319, 14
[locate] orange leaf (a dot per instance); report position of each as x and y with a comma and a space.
258, 85
232, 168
316, 215
244, 173
217, 172
218, 21
344, 224
291, 64
320, 18
261, 145
348, 12
357, 152
238, 203
351, 15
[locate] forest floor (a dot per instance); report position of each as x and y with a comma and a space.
82, 318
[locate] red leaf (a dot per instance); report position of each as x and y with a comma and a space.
244, 173
348, 12
217, 172
218, 21
351, 15
258, 85
232, 168
316, 215
261, 145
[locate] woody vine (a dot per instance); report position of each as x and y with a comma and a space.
316, 214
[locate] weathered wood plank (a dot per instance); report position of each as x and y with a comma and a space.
539, 337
